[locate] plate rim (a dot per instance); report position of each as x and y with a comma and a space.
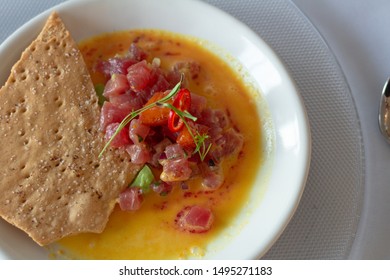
33, 24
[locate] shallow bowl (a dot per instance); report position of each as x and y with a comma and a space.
280, 180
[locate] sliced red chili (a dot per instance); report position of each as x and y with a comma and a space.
182, 102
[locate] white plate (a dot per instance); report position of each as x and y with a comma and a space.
288, 142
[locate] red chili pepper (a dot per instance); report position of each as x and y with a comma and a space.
182, 102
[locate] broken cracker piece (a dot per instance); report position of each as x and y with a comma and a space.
52, 182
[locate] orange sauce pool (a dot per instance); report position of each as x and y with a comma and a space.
150, 232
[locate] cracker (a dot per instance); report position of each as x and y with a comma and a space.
52, 183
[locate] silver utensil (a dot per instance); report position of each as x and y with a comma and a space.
384, 111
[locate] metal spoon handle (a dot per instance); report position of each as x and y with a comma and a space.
384, 108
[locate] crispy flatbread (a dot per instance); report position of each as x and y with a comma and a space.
52, 183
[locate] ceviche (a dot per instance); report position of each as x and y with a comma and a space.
190, 124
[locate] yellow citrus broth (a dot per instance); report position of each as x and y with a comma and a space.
150, 232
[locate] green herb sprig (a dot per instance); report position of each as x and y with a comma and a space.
135, 113
199, 139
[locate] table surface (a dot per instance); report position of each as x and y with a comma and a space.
355, 31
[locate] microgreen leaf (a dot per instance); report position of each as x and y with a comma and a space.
172, 92
144, 178
99, 88
200, 141
181, 114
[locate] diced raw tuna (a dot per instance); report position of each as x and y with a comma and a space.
130, 199
198, 104
136, 53
134, 83
228, 143
139, 76
158, 151
138, 131
195, 219
139, 153
115, 65
128, 101
212, 179
121, 139
176, 170
174, 151
160, 82
115, 86
161, 187
216, 120
111, 113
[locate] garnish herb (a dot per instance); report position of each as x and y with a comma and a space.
183, 102
144, 178
99, 88
199, 139
135, 113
